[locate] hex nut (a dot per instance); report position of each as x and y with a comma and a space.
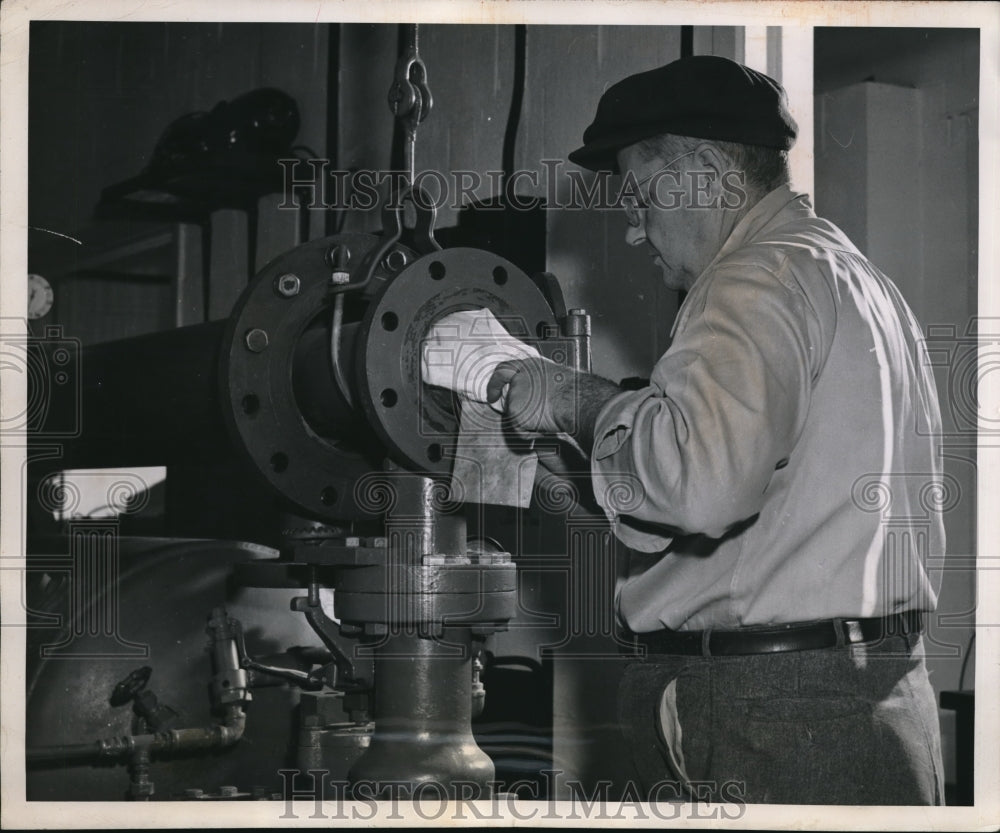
289, 285
256, 340
394, 261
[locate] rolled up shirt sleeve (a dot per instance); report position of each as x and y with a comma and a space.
695, 451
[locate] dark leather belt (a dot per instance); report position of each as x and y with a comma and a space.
769, 639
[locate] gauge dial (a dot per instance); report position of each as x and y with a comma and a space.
40, 296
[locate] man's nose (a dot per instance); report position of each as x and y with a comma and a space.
635, 235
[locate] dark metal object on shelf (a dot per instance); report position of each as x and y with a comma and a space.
205, 161
262, 122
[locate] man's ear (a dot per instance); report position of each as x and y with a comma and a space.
711, 165
711, 158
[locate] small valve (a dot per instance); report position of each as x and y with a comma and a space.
155, 715
230, 683
478, 689
338, 257
126, 690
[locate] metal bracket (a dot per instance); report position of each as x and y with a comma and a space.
329, 632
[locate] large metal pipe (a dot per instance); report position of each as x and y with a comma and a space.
423, 713
157, 399
217, 736
147, 400
423, 667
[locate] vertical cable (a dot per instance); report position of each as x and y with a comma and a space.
334, 218
516, 103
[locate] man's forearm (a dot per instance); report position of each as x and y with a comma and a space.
580, 399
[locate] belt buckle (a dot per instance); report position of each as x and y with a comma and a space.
853, 632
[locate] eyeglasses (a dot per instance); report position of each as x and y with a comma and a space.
633, 205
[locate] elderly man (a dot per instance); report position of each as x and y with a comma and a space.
779, 613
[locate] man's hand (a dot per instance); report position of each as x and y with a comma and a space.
537, 395
543, 397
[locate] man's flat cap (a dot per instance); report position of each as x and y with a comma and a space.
703, 96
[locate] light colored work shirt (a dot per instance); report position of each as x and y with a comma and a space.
781, 465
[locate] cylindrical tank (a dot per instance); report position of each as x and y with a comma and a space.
152, 613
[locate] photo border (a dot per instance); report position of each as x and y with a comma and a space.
14, 28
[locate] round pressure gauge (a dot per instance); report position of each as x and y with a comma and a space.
40, 296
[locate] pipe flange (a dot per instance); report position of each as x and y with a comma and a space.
417, 423
419, 594
257, 378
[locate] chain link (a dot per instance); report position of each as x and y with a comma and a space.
409, 96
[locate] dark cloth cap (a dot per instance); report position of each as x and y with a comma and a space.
703, 96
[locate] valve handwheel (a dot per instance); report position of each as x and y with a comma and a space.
126, 690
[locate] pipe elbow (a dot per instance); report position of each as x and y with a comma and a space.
231, 730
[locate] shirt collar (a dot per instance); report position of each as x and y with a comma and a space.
775, 209
780, 206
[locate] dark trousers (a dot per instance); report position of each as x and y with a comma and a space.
851, 725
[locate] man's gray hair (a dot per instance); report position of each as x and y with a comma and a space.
766, 168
